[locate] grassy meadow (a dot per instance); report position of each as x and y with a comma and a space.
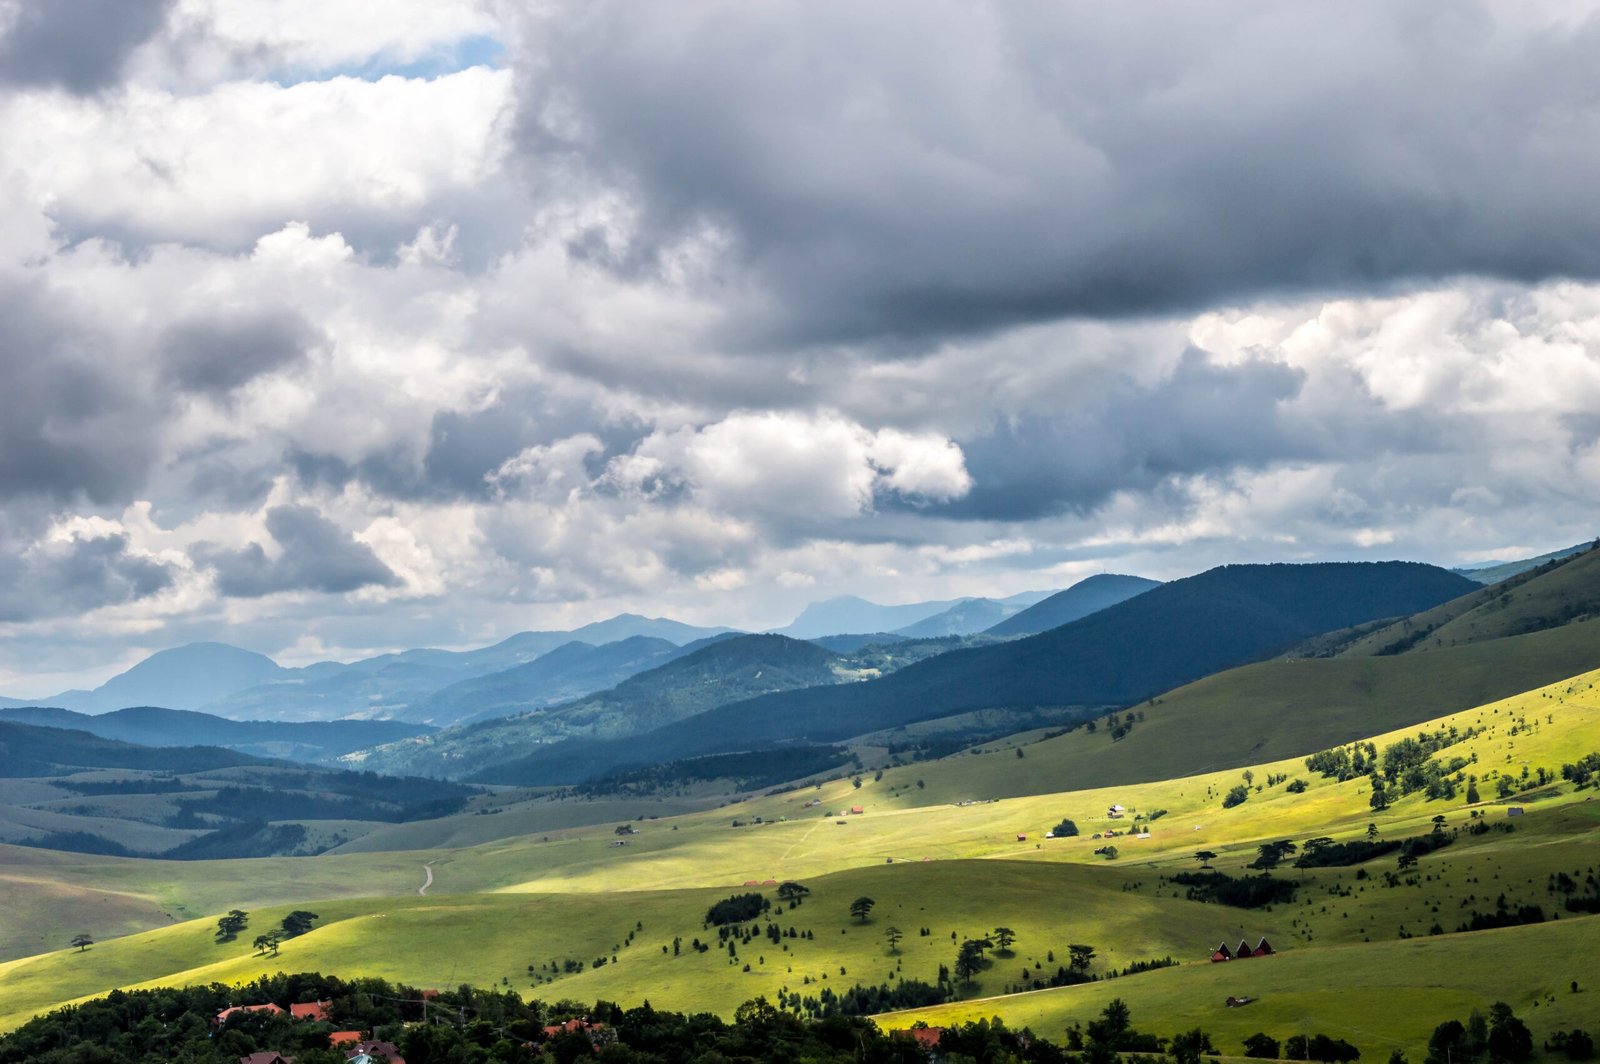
505, 911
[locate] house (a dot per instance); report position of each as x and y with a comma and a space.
229, 1013
1021, 837
752, 883
575, 1024
267, 1057
1222, 954
769, 882
1238, 1002
374, 1053
344, 1039
1264, 949
926, 1038
1515, 810
857, 810
311, 1011
1244, 951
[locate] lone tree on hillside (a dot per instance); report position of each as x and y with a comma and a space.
1003, 937
861, 907
229, 926
1205, 857
1081, 956
789, 890
268, 941
82, 942
297, 923
894, 935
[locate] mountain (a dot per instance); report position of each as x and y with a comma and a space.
568, 672
31, 751
848, 613
724, 670
389, 686
310, 741
849, 644
1552, 595
964, 618
1494, 573
185, 677
1123, 654
1087, 596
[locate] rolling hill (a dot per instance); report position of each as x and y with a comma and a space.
725, 670
311, 741
1087, 596
1124, 654
186, 677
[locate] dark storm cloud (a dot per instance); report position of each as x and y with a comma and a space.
315, 555
466, 446
1202, 419
218, 354
74, 576
72, 422
77, 45
920, 168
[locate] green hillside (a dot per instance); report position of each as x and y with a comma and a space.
1090, 595
494, 911
1555, 593
725, 670
1120, 655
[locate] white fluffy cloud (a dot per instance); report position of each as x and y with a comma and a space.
522, 346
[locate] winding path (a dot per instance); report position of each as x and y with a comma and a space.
427, 882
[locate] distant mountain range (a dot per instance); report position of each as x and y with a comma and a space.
241, 685
1075, 603
1123, 654
1498, 571
308, 741
914, 620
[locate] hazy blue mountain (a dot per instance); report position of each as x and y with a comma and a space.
1123, 654
309, 741
185, 677
721, 670
849, 613
964, 618
391, 686
1498, 571
1087, 596
568, 672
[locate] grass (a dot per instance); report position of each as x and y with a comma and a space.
498, 907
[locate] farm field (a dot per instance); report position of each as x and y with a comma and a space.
515, 912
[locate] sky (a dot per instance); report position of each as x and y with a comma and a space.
330, 327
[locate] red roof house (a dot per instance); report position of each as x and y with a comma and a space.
227, 1014
857, 809
1222, 954
344, 1038
1243, 951
314, 1011
267, 1057
1264, 949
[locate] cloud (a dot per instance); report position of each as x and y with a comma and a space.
217, 354
81, 567
312, 554
79, 45
919, 169
73, 421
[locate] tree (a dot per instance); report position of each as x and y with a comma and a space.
1379, 800
1004, 936
82, 942
969, 959
1261, 1045
1113, 1025
861, 907
1269, 854
894, 935
1473, 797
1188, 1045
1447, 1042
229, 926
297, 923
1081, 956
789, 890
1236, 796
268, 941
1205, 857
1509, 1038
1065, 829
1406, 862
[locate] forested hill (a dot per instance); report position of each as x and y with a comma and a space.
1126, 653
28, 750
